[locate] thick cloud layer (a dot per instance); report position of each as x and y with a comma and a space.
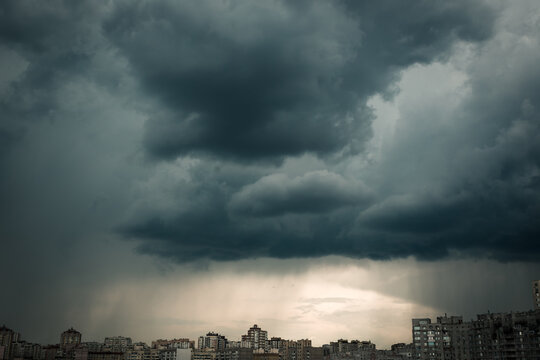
253, 80
260, 135
313, 192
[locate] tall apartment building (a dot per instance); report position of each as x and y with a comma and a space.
536, 294
514, 335
256, 338
6, 339
70, 338
25, 350
431, 340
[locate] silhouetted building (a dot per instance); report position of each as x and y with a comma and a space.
70, 338
141, 351
105, 355
402, 349
7, 337
117, 343
23, 350
50, 352
536, 294
260, 354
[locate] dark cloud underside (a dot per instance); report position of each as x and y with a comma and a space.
258, 127
252, 80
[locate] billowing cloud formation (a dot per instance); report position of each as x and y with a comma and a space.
254, 80
456, 176
268, 127
313, 192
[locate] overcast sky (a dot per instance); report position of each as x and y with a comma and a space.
325, 169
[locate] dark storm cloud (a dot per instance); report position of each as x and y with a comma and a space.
458, 179
469, 178
56, 41
253, 80
201, 225
278, 90
311, 193
243, 83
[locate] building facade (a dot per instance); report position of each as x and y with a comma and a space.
70, 338
536, 294
513, 335
256, 338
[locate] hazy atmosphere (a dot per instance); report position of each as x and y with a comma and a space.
324, 169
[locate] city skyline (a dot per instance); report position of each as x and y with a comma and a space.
246, 339
330, 168
490, 335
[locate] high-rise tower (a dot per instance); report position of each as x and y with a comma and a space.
536, 294
256, 338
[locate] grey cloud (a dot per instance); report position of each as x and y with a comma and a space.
415, 214
252, 81
458, 179
50, 43
247, 82
481, 160
314, 192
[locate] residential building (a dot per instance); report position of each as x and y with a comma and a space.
25, 350
261, 354
141, 352
402, 349
184, 354
7, 337
431, 340
536, 294
256, 338
207, 354
212, 341
117, 343
173, 344
105, 355
513, 335
167, 354
70, 338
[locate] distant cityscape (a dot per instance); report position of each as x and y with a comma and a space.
509, 335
